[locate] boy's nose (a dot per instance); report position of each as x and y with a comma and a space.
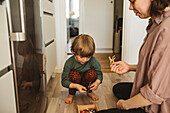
131, 7
86, 59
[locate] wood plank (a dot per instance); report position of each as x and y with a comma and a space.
57, 94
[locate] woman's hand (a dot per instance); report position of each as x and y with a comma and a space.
121, 105
120, 67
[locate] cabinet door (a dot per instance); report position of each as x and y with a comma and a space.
48, 6
48, 28
5, 59
51, 59
7, 95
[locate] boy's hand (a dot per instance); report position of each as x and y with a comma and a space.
81, 88
37, 98
25, 84
95, 85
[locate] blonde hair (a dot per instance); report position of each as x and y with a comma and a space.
83, 45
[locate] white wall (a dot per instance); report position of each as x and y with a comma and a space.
61, 34
134, 31
96, 20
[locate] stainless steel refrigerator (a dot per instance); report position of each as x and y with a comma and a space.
24, 71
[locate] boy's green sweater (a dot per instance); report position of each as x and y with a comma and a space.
72, 64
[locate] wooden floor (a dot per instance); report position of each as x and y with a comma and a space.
56, 94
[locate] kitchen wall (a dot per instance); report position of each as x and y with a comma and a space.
133, 34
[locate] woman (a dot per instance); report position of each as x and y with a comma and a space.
150, 91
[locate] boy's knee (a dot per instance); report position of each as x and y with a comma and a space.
74, 76
90, 74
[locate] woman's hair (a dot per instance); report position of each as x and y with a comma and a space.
158, 6
83, 45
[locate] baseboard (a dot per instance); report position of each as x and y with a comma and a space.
58, 71
104, 50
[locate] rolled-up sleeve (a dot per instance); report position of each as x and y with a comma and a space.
65, 79
147, 92
96, 65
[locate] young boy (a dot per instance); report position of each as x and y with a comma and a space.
82, 69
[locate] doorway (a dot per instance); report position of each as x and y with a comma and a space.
72, 18
104, 26
118, 25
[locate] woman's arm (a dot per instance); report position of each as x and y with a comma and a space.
134, 102
121, 67
132, 67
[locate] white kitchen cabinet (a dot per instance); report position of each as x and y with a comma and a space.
51, 59
7, 95
7, 92
5, 59
49, 36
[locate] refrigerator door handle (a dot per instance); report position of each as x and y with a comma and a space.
22, 11
18, 36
